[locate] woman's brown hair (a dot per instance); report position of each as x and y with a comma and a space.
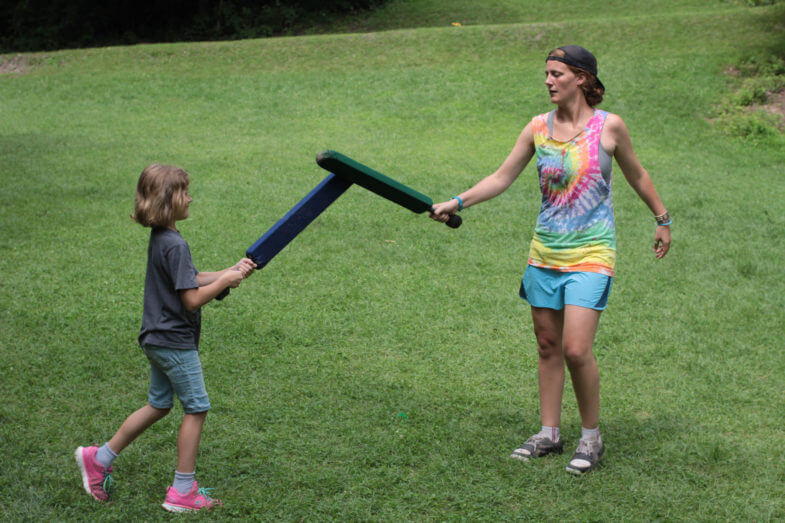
159, 190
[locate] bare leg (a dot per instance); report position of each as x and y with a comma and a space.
188, 441
548, 326
580, 326
134, 425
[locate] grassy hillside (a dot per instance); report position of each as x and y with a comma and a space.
398, 14
382, 366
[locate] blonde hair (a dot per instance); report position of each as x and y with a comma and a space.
160, 189
592, 90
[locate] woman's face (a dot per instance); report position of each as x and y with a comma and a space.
181, 203
561, 82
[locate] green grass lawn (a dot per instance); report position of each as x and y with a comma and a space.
382, 367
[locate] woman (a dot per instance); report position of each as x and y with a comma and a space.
573, 251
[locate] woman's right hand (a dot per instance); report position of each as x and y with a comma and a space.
246, 266
232, 278
442, 211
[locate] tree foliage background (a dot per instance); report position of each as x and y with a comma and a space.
31, 25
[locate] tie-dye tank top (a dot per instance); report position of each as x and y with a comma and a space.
575, 228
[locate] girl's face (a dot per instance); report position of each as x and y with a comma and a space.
561, 82
180, 205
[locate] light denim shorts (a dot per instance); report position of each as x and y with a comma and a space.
176, 371
552, 289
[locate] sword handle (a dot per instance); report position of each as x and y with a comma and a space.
453, 222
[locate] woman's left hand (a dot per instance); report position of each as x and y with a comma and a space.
442, 211
662, 241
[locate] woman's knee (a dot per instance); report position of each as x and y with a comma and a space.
157, 412
161, 412
548, 326
578, 355
548, 345
198, 415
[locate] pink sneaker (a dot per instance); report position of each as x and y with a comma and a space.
196, 499
95, 478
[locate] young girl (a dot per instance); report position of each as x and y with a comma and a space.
573, 252
174, 291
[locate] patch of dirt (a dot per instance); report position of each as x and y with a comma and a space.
774, 105
18, 64
775, 101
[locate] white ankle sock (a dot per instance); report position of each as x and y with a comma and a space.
183, 481
590, 433
551, 432
105, 455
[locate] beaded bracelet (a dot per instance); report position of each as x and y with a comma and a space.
663, 219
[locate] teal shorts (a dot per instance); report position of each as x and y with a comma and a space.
552, 289
176, 371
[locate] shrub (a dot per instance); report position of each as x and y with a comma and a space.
31, 25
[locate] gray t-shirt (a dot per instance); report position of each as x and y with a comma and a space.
165, 321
